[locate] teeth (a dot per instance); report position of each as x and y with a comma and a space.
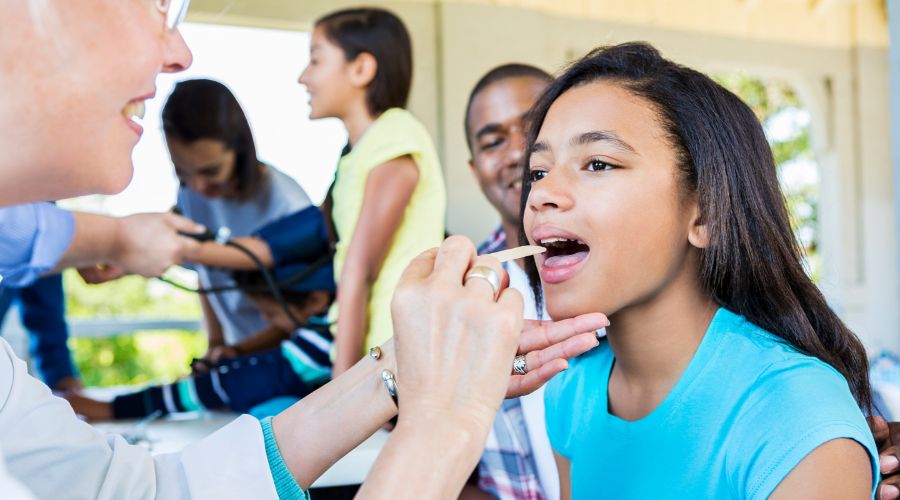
134, 109
551, 241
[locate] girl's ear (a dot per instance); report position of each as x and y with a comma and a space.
363, 69
698, 235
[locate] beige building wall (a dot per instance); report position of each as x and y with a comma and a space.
834, 52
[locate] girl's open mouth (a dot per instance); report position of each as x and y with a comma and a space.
563, 259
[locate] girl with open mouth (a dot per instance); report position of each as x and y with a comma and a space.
724, 373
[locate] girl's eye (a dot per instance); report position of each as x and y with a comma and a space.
536, 175
599, 166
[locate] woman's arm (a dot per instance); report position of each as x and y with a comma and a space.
211, 323
455, 349
326, 425
213, 254
839, 469
389, 188
263, 340
145, 244
40, 432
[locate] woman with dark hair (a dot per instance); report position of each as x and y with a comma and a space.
223, 183
724, 373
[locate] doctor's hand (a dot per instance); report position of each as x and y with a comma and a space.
148, 244
101, 273
454, 339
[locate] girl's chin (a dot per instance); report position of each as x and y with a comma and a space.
569, 302
559, 311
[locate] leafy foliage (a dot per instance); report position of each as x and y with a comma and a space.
138, 357
787, 127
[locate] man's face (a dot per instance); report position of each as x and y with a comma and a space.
496, 133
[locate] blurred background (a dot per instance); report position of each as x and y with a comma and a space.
819, 74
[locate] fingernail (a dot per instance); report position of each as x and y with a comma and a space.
889, 492
887, 464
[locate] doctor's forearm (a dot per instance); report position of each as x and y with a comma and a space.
93, 242
326, 425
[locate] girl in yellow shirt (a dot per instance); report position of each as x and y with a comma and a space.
388, 199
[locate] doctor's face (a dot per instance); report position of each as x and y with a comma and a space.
74, 74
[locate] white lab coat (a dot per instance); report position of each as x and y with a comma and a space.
47, 452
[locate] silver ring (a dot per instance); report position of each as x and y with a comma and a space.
375, 353
519, 365
488, 274
391, 384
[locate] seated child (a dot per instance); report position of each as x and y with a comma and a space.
299, 366
300, 238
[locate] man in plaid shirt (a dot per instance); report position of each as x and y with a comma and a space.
517, 462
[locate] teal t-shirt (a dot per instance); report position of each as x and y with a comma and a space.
745, 412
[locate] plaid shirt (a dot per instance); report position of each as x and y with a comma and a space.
507, 468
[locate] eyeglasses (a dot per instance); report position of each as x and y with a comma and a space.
174, 11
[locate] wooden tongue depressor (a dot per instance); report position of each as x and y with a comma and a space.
517, 253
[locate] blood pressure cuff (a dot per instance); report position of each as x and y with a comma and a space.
298, 238
303, 277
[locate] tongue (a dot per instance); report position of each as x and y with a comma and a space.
565, 260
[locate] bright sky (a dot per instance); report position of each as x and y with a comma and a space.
801, 172
261, 67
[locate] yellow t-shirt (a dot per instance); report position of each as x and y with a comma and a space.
394, 134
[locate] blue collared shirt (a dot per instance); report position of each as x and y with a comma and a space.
33, 237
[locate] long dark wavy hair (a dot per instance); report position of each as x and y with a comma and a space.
206, 109
753, 264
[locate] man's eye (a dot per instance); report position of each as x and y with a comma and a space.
492, 144
536, 175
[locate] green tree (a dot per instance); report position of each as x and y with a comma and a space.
133, 357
